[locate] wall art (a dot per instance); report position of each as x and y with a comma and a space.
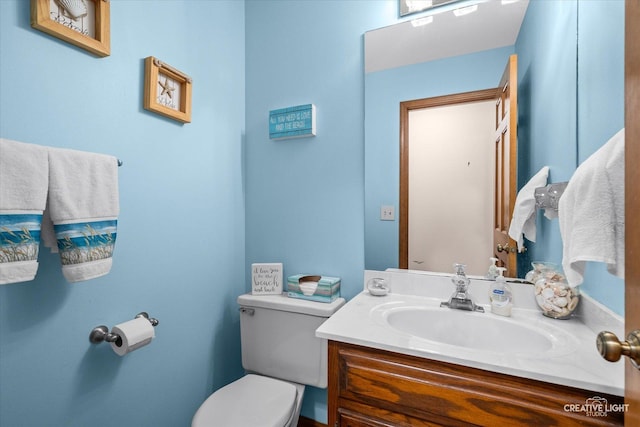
83, 23
167, 91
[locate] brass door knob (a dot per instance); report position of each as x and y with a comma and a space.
505, 248
611, 348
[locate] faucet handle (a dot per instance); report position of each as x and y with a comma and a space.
459, 271
459, 268
460, 280
461, 299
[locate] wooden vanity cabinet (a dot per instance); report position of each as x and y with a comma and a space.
376, 388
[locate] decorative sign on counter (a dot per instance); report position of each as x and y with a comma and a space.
266, 279
292, 122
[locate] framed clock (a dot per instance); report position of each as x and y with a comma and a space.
84, 23
167, 91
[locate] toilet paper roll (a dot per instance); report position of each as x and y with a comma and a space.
133, 334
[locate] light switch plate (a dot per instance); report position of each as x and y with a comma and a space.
387, 213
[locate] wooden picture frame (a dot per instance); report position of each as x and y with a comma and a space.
167, 91
83, 23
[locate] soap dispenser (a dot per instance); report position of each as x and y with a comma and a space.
500, 295
493, 269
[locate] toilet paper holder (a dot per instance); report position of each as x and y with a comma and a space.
101, 333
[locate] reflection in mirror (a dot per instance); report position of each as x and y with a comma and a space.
549, 108
446, 171
446, 35
600, 109
450, 55
409, 7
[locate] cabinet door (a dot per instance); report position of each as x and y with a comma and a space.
370, 387
347, 418
358, 420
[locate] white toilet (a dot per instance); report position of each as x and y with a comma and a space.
281, 355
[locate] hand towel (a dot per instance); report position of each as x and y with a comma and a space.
24, 175
83, 205
523, 221
591, 213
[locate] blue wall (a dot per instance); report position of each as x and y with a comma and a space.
304, 197
566, 116
180, 249
547, 55
600, 109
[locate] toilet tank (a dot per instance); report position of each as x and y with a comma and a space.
278, 336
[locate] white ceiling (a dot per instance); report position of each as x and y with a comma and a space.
493, 25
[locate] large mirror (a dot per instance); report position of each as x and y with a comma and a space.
564, 114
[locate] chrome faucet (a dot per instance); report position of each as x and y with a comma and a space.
461, 299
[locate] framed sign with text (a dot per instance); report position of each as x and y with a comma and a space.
266, 278
292, 122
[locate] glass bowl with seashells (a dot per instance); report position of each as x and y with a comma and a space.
554, 296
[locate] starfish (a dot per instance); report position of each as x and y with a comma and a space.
167, 88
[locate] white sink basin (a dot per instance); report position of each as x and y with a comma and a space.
409, 320
526, 333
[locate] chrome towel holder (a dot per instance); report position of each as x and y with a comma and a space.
548, 197
101, 333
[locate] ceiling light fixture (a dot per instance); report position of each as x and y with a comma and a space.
465, 10
418, 5
419, 22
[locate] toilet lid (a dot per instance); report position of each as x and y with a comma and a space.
253, 400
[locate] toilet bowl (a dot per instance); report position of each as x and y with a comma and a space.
281, 354
253, 400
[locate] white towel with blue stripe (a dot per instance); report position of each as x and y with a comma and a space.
24, 174
83, 205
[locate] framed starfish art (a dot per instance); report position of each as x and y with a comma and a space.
167, 91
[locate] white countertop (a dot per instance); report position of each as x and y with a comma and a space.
581, 366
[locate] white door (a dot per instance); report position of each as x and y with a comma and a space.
451, 186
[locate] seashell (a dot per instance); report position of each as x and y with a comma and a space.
73, 8
556, 308
560, 301
548, 293
573, 303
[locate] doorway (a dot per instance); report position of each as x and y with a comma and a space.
444, 190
